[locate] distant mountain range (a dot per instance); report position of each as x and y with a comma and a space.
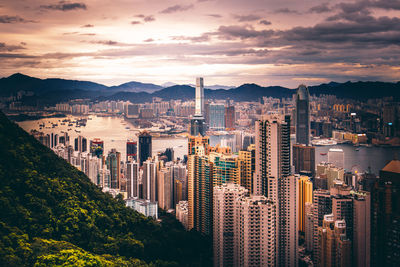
50, 91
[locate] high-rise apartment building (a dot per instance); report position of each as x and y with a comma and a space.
245, 169
224, 169
200, 183
255, 232
385, 232
362, 229
304, 159
305, 196
132, 179
308, 226
198, 141
335, 246
230, 117
302, 115
272, 152
165, 188
272, 179
322, 205
114, 165
224, 204
149, 181
353, 208
80, 144
145, 147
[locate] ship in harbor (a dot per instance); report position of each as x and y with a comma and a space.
323, 142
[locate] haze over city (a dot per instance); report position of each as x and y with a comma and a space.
231, 42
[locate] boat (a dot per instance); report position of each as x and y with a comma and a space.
357, 149
323, 154
323, 142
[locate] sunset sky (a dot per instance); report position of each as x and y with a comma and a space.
228, 42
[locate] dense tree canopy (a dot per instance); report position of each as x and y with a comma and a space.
51, 214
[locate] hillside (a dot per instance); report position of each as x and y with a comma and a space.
52, 214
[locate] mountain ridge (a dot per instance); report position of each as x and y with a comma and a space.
129, 91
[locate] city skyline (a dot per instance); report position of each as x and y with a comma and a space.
266, 42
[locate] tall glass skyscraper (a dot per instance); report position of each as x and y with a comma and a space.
302, 115
217, 116
197, 121
144, 147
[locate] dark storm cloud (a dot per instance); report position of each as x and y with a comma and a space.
135, 22
13, 19
149, 40
361, 5
321, 8
265, 22
286, 11
65, 6
87, 26
245, 18
10, 48
176, 8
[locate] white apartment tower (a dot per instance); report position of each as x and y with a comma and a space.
224, 198
132, 181
254, 223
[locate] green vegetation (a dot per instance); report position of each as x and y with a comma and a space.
52, 215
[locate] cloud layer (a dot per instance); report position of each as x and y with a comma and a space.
227, 41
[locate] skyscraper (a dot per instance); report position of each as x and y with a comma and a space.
272, 179
304, 159
230, 117
199, 105
302, 115
145, 146
80, 144
305, 196
132, 179
198, 141
224, 205
255, 232
114, 165
149, 181
165, 188
197, 122
334, 243
217, 116
131, 150
385, 232
200, 178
